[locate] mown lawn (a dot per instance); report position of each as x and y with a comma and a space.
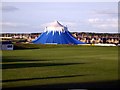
54, 66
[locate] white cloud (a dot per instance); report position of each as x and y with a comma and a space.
12, 25
103, 23
107, 11
111, 13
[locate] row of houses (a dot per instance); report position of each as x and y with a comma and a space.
89, 38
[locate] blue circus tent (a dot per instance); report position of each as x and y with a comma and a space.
56, 34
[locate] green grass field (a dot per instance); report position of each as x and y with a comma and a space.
59, 66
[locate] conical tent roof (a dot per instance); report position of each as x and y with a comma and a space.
56, 24
56, 33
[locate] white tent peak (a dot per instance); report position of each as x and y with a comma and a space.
56, 24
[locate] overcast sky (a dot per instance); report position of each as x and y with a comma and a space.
78, 16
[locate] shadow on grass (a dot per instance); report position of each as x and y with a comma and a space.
36, 64
52, 77
113, 84
19, 59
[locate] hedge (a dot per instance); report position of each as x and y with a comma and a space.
39, 46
